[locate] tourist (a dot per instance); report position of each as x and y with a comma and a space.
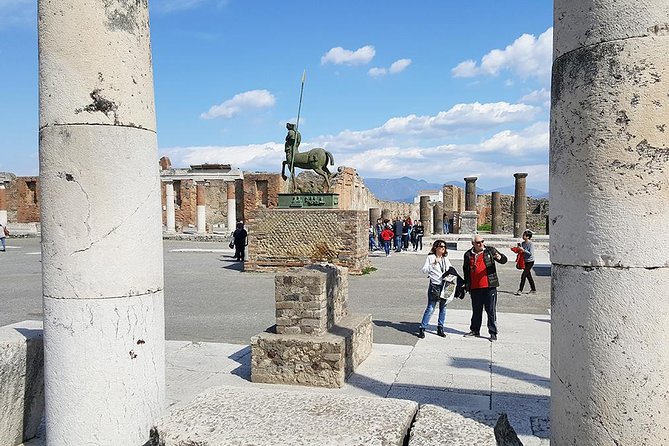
528, 251
481, 281
436, 267
406, 232
378, 228
372, 237
387, 235
240, 240
397, 229
418, 232
4, 232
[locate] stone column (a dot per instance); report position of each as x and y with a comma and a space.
3, 203
232, 207
426, 214
470, 193
520, 205
102, 254
496, 213
374, 214
609, 178
548, 222
169, 206
386, 214
201, 209
438, 218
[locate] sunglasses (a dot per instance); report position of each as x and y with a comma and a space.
480, 242
441, 246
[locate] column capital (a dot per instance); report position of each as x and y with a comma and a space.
520, 175
471, 179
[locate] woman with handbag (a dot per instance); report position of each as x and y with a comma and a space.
436, 267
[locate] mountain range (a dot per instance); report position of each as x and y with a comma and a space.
404, 189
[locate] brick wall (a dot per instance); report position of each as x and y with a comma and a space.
23, 200
283, 238
258, 190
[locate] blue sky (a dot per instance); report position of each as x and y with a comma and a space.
435, 90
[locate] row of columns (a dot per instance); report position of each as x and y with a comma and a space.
201, 222
102, 248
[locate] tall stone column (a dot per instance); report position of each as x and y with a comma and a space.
496, 211
609, 178
232, 207
169, 206
386, 214
426, 214
201, 209
3, 203
102, 256
520, 205
374, 214
470, 193
438, 218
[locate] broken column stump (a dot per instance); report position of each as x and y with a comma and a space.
317, 343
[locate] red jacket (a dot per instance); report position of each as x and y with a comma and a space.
520, 257
387, 235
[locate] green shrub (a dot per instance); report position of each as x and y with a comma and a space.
368, 269
484, 227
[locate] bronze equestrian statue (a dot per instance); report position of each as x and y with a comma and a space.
315, 159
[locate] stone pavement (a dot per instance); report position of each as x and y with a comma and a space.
472, 378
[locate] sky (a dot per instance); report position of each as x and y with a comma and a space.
436, 90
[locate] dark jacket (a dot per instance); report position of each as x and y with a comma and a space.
489, 261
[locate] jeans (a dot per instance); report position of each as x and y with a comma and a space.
398, 243
433, 292
527, 273
372, 243
2, 240
386, 246
484, 298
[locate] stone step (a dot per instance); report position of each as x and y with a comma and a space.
224, 416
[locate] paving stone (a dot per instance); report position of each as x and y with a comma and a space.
441, 398
229, 416
438, 426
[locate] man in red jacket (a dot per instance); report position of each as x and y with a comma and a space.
481, 281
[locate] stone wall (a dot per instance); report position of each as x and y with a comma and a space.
185, 207
259, 190
284, 238
537, 209
22, 199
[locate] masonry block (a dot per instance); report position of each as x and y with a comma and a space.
21, 381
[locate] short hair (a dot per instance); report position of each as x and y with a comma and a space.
528, 233
474, 237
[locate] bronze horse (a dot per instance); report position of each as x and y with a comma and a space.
315, 159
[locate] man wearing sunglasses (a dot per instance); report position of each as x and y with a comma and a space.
481, 281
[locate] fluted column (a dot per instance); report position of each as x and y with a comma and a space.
201, 208
232, 207
520, 205
470, 193
609, 177
496, 213
169, 206
102, 253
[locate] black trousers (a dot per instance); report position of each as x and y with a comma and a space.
527, 273
484, 298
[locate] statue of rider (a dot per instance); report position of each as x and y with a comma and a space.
293, 138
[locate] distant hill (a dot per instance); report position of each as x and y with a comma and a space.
405, 189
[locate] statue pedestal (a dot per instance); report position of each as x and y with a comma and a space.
468, 222
302, 201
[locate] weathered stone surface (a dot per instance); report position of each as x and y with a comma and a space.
301, 302
226, 416
337, 290
21, 381
619, 382
321, 361
468, 221
438, 426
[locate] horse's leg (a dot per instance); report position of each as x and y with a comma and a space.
326, 179
283, 170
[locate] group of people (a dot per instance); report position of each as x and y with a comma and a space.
398, 233
480, 280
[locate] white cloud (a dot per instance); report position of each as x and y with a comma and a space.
240, 102
542, 97
341, 56
17, 12
528, 57
399, 65
396, 67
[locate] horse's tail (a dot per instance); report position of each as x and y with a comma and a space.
329, 155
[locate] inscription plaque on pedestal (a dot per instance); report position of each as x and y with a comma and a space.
301, 201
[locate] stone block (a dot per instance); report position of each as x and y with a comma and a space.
337, 290
468, 222
224, 416
21, 381
320, 361
436, 425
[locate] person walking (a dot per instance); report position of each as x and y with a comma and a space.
240, 239
4, 232
528, 251
481, 281
436, 267
387, 235
418, 232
